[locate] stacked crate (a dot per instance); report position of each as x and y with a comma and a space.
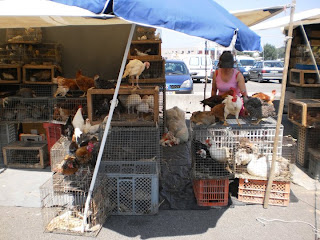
8, 134
130, 162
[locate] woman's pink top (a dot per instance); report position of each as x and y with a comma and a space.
225, 86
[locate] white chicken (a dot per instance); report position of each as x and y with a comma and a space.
220, 154
233, 105
176, 124
261, 167
243, 158
78, 123
133, 100
61, 91
150, 100
134, 69
143, 107
88, 128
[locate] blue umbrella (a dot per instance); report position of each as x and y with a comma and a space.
202, 18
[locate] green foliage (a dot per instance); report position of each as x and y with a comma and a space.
270, 52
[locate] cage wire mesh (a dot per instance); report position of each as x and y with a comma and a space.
40, 90
24, 35
59, 151
44, 53
26, 155
24, 110
8, 134
219, 151
12, 53
62, 108
63, 201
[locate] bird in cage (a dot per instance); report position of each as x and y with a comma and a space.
260, 167
134, 69
68, 166
218, 153
78, 123
26, 93
132, 101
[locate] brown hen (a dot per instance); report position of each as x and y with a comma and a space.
84, 82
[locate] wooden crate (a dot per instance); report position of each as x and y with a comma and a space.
26, 155
40, 74
9, 71
304, 112
150, 47
253, 191
97, 97
304, 78
155, 73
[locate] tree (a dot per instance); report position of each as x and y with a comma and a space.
281, 52
270, 52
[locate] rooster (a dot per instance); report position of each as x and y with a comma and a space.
134, 69
215, 100
84, 83
233, 105
78, 123
68, 166
265, 97
83, 153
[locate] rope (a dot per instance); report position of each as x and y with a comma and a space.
265, 221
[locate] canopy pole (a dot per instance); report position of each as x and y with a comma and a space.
310, 49
206, 75
280, 111
106, 130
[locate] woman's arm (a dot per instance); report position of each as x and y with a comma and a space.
242, 85
214, 85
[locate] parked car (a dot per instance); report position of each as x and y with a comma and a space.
178, 78
199, 65
266, 70
246, 61
237, 66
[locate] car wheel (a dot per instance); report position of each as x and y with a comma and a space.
260, 80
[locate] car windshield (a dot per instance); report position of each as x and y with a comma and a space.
273, 64
247, 62
176, 68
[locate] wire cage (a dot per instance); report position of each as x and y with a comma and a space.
40, 90
62, 108
314, 163
135, 107
132, 187
219, 151
12, 54
132, 144
63, 204
26, 155
10, 73
24, 110
305, 112
145, 50
59, 151
24, 35
40, 74
44, 54
8, 134
289, 148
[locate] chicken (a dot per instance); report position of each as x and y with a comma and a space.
83, 153
215, 100
134, 69
42, 75
61, 91
145, 53
92, 129
233, 105
133, 100
218, 112
149, 99
176, 124
67, 129
69, 83
84, 83
246, 153
258, 109
261, 167
68, 166
104, 84
220, 154
78, 123
26, 93
206, 118
143, 107
7, 76
265, 97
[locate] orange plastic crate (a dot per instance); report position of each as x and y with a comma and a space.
253, 191
53, 132
211, 192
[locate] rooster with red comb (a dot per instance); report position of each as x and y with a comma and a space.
233, 105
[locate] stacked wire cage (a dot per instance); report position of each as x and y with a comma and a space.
8, 134
63, 201
130, 163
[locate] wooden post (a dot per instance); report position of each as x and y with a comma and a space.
280, 111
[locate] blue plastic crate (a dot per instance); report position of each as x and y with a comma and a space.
306, 66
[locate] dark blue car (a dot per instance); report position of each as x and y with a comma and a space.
178, 78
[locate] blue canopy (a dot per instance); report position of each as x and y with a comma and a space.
202, 18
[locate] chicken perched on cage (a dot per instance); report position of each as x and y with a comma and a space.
83, 153
215, 100
259, 109
264, 97
69, 83
100, 83
134, 69
205, 118
84, 82
68, 166
233, 105
218, 112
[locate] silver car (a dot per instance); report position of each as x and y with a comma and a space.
266, 70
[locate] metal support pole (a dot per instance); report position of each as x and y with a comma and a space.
106, 130
280, 111
206, 75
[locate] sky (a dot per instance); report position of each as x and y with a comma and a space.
171, 39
